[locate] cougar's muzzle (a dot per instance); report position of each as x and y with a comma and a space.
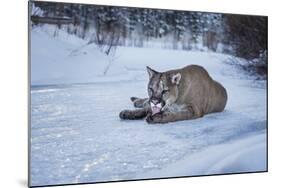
156, 105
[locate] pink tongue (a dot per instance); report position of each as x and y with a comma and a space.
155, 110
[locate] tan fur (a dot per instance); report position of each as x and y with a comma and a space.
199, 90
186, 93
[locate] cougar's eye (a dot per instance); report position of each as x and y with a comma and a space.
165, 91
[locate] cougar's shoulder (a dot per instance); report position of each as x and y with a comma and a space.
199, 89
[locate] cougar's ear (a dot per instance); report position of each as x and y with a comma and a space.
176, 78
150, 71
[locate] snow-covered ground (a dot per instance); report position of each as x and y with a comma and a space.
77, 136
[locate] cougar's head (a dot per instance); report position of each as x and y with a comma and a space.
162, 89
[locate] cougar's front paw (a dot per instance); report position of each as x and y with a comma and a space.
125, 114
151, 119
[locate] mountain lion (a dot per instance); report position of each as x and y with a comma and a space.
179, 94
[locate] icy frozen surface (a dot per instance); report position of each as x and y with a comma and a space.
77, 136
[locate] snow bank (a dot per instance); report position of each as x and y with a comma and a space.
60, 58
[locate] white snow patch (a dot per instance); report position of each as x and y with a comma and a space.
243, 155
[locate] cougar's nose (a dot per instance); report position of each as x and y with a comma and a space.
155, 101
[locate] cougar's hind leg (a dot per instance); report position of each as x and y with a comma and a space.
139, 102
133, 114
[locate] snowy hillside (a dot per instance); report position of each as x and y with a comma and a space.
77, 136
